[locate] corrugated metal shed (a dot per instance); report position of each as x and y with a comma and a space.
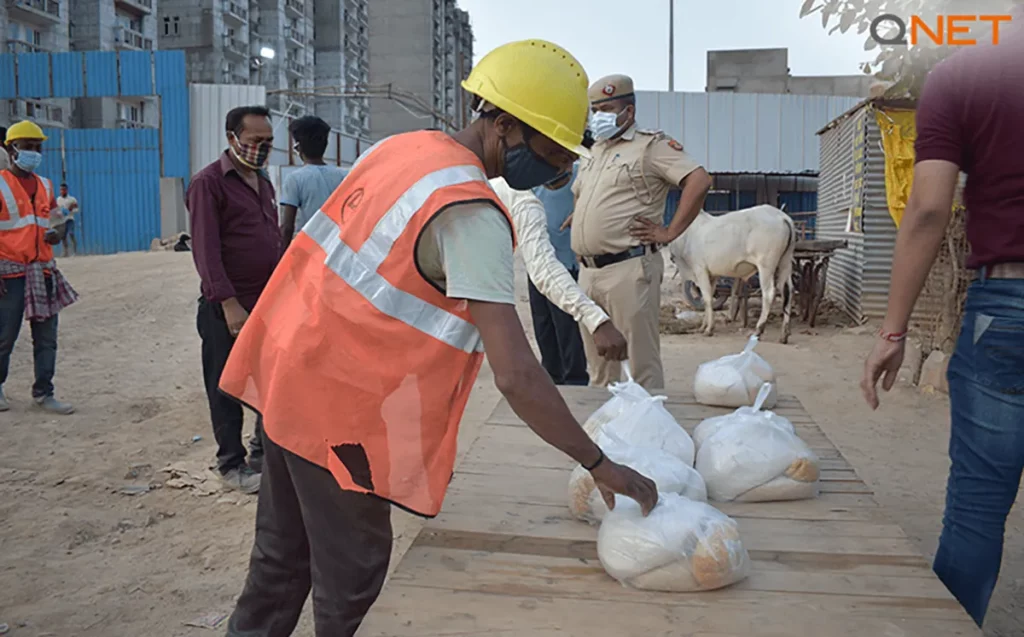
744, 133
208, 104
859, 276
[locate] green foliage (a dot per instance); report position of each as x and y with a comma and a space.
903, 65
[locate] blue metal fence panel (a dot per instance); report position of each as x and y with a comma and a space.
34, 75
8, 87
746, 199
100, 73
136, 73
115, 175
67, 74
52, 168
174, 113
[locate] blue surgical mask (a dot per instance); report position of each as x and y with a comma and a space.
28, 160
524, 169
604, 124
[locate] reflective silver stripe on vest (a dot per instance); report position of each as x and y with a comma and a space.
9, 201
15, 222
398, 304
393, 223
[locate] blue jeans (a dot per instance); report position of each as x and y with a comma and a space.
986, 446
44, 337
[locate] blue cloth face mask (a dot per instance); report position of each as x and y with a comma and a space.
28, 160
525, 169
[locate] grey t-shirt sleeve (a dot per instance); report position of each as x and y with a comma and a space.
290, 190
471, 246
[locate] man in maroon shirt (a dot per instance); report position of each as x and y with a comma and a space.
970, 118
236, 245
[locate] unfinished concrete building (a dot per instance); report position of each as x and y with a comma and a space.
115, 25
343, 63
35, 26
268, 42
767, 71
423, 47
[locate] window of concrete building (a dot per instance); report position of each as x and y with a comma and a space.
171, 25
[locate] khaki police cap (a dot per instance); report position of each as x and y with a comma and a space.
611, 87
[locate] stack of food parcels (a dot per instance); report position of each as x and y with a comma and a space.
750, 455
683, 544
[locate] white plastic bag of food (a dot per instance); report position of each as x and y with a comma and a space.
734, 380
669, 472
710, 426
640, 420
755, 458
681, 546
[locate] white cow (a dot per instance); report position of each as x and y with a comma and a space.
738, 244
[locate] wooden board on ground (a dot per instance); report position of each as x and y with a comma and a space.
505, 558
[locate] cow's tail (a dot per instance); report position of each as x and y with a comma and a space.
784, 270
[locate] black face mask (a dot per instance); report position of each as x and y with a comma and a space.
525, 169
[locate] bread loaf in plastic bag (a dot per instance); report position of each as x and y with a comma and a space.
640, 420
668, 471
755, 457
734, 380
710, 426
681, 546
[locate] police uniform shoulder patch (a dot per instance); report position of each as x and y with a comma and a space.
674, 145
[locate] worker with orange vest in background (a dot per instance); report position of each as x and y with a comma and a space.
364, 346
31, 287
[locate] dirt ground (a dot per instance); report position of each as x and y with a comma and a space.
97, 539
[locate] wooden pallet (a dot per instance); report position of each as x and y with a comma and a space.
505, 559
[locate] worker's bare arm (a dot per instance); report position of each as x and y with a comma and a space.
531, 394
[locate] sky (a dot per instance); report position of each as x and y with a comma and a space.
631, 36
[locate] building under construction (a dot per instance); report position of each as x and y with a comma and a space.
422, 48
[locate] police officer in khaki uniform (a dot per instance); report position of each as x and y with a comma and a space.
618, 225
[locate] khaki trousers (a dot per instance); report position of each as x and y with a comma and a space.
630, 292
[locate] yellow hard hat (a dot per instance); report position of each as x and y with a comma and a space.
539, 83
24, 130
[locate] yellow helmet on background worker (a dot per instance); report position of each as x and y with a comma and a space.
540, 84
24, 129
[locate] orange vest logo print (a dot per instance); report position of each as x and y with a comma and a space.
356, 361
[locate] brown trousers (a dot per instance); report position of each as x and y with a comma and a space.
630, 292
311, 534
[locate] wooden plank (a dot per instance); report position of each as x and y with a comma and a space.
505, 558
576, 536
414, 611
586, 578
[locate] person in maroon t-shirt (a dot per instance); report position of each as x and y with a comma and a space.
970, 118
236, 244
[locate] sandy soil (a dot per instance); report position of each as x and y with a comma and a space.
86, 549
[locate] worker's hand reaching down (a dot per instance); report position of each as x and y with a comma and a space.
612, 478
610, 342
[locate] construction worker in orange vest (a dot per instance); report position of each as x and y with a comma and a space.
31, 286
364, 346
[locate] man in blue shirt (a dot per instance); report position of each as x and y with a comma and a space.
558, 335
306, 189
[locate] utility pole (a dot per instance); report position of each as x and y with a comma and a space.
671, 45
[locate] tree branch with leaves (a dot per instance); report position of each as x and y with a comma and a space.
904, 66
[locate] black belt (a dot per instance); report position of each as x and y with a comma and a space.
603, 260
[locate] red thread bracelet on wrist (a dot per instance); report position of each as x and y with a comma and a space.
892, 337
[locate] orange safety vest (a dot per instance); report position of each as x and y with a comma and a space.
356, 362
23, 225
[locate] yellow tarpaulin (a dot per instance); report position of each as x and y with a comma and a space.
899, 131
